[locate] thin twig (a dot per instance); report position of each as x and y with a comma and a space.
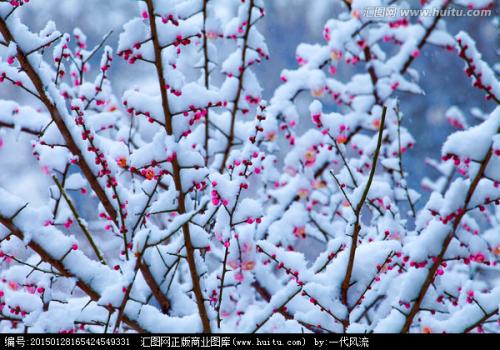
83, 227
357, 211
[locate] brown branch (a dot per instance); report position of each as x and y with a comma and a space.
224, 270
126, 296
280, 307
58, 119
357, 225
59, 266
64, 176
264, 294
146, 206
44, 45
110, 183
98, 47
471, 71
22, 87
239, 89
83, 227
481, 320
322, 308
206, 75
343, 191
23, 129
148, 277
368, 308
99, 87
423, 41
372, 73
195, 278
401, 169
374, 278
64, 130
155, 288
439, 259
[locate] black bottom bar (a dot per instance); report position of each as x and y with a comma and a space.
245, 341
